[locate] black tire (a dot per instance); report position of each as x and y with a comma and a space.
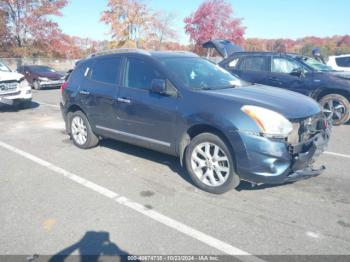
341, 100
36, 85
91, 139
233, 179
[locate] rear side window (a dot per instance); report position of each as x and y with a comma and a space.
233, 63
343, 61
139, 74
106, 70
77, 75
253, 63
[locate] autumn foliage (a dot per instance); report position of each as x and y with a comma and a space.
133, 24
328, 45
214, 19
27, 29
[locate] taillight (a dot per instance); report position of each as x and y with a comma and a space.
63, 86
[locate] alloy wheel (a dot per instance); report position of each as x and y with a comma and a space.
79, 130
210, 164
334, 109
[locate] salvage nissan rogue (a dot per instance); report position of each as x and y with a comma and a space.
222, 129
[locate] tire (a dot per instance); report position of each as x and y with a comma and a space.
81, 132
206, 175
36, 85
336, 107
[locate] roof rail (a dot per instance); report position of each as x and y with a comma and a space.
118, 51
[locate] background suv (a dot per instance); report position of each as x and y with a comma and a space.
178, 103
294, 72
340, 63
14, 89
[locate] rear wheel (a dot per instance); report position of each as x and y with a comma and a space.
210, 164
336, 108
81, 132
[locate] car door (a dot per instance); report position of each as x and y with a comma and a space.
99, 90
283, 75
251, 68
145, 117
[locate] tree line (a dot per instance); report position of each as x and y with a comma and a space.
27, 29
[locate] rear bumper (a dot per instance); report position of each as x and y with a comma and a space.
268, 161
51, 83
64, 116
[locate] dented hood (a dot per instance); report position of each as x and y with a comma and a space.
10, 76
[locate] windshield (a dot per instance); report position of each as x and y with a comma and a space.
4, 67
200, 74
43, 69
314, 64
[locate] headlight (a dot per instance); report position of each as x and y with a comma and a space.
271, 123
23, 84
43, 78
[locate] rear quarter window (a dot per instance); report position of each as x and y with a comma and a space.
78, 74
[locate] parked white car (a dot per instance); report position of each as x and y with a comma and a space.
14, 89
340, 63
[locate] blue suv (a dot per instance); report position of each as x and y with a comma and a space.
222, 129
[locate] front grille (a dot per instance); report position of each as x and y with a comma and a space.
6, 87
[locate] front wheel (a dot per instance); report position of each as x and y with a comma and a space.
36, 85
336, 108
81, 132
210, 164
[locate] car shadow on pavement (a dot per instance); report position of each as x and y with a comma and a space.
16, 108
247, 186
92, 248
172, 162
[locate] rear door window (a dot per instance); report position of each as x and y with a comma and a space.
78, 74
253, 63
283, 65
107, 70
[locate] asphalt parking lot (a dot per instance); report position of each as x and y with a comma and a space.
120, 199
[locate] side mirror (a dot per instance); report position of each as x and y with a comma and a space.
298, 72
158, 86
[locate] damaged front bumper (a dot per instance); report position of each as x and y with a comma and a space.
304, 155
263, 160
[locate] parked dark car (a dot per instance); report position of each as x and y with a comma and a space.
41, 77
294, 72
180, 104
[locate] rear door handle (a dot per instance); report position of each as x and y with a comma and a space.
124, 100
83, 92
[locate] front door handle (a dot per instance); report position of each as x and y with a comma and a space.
124, 100
83, 92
